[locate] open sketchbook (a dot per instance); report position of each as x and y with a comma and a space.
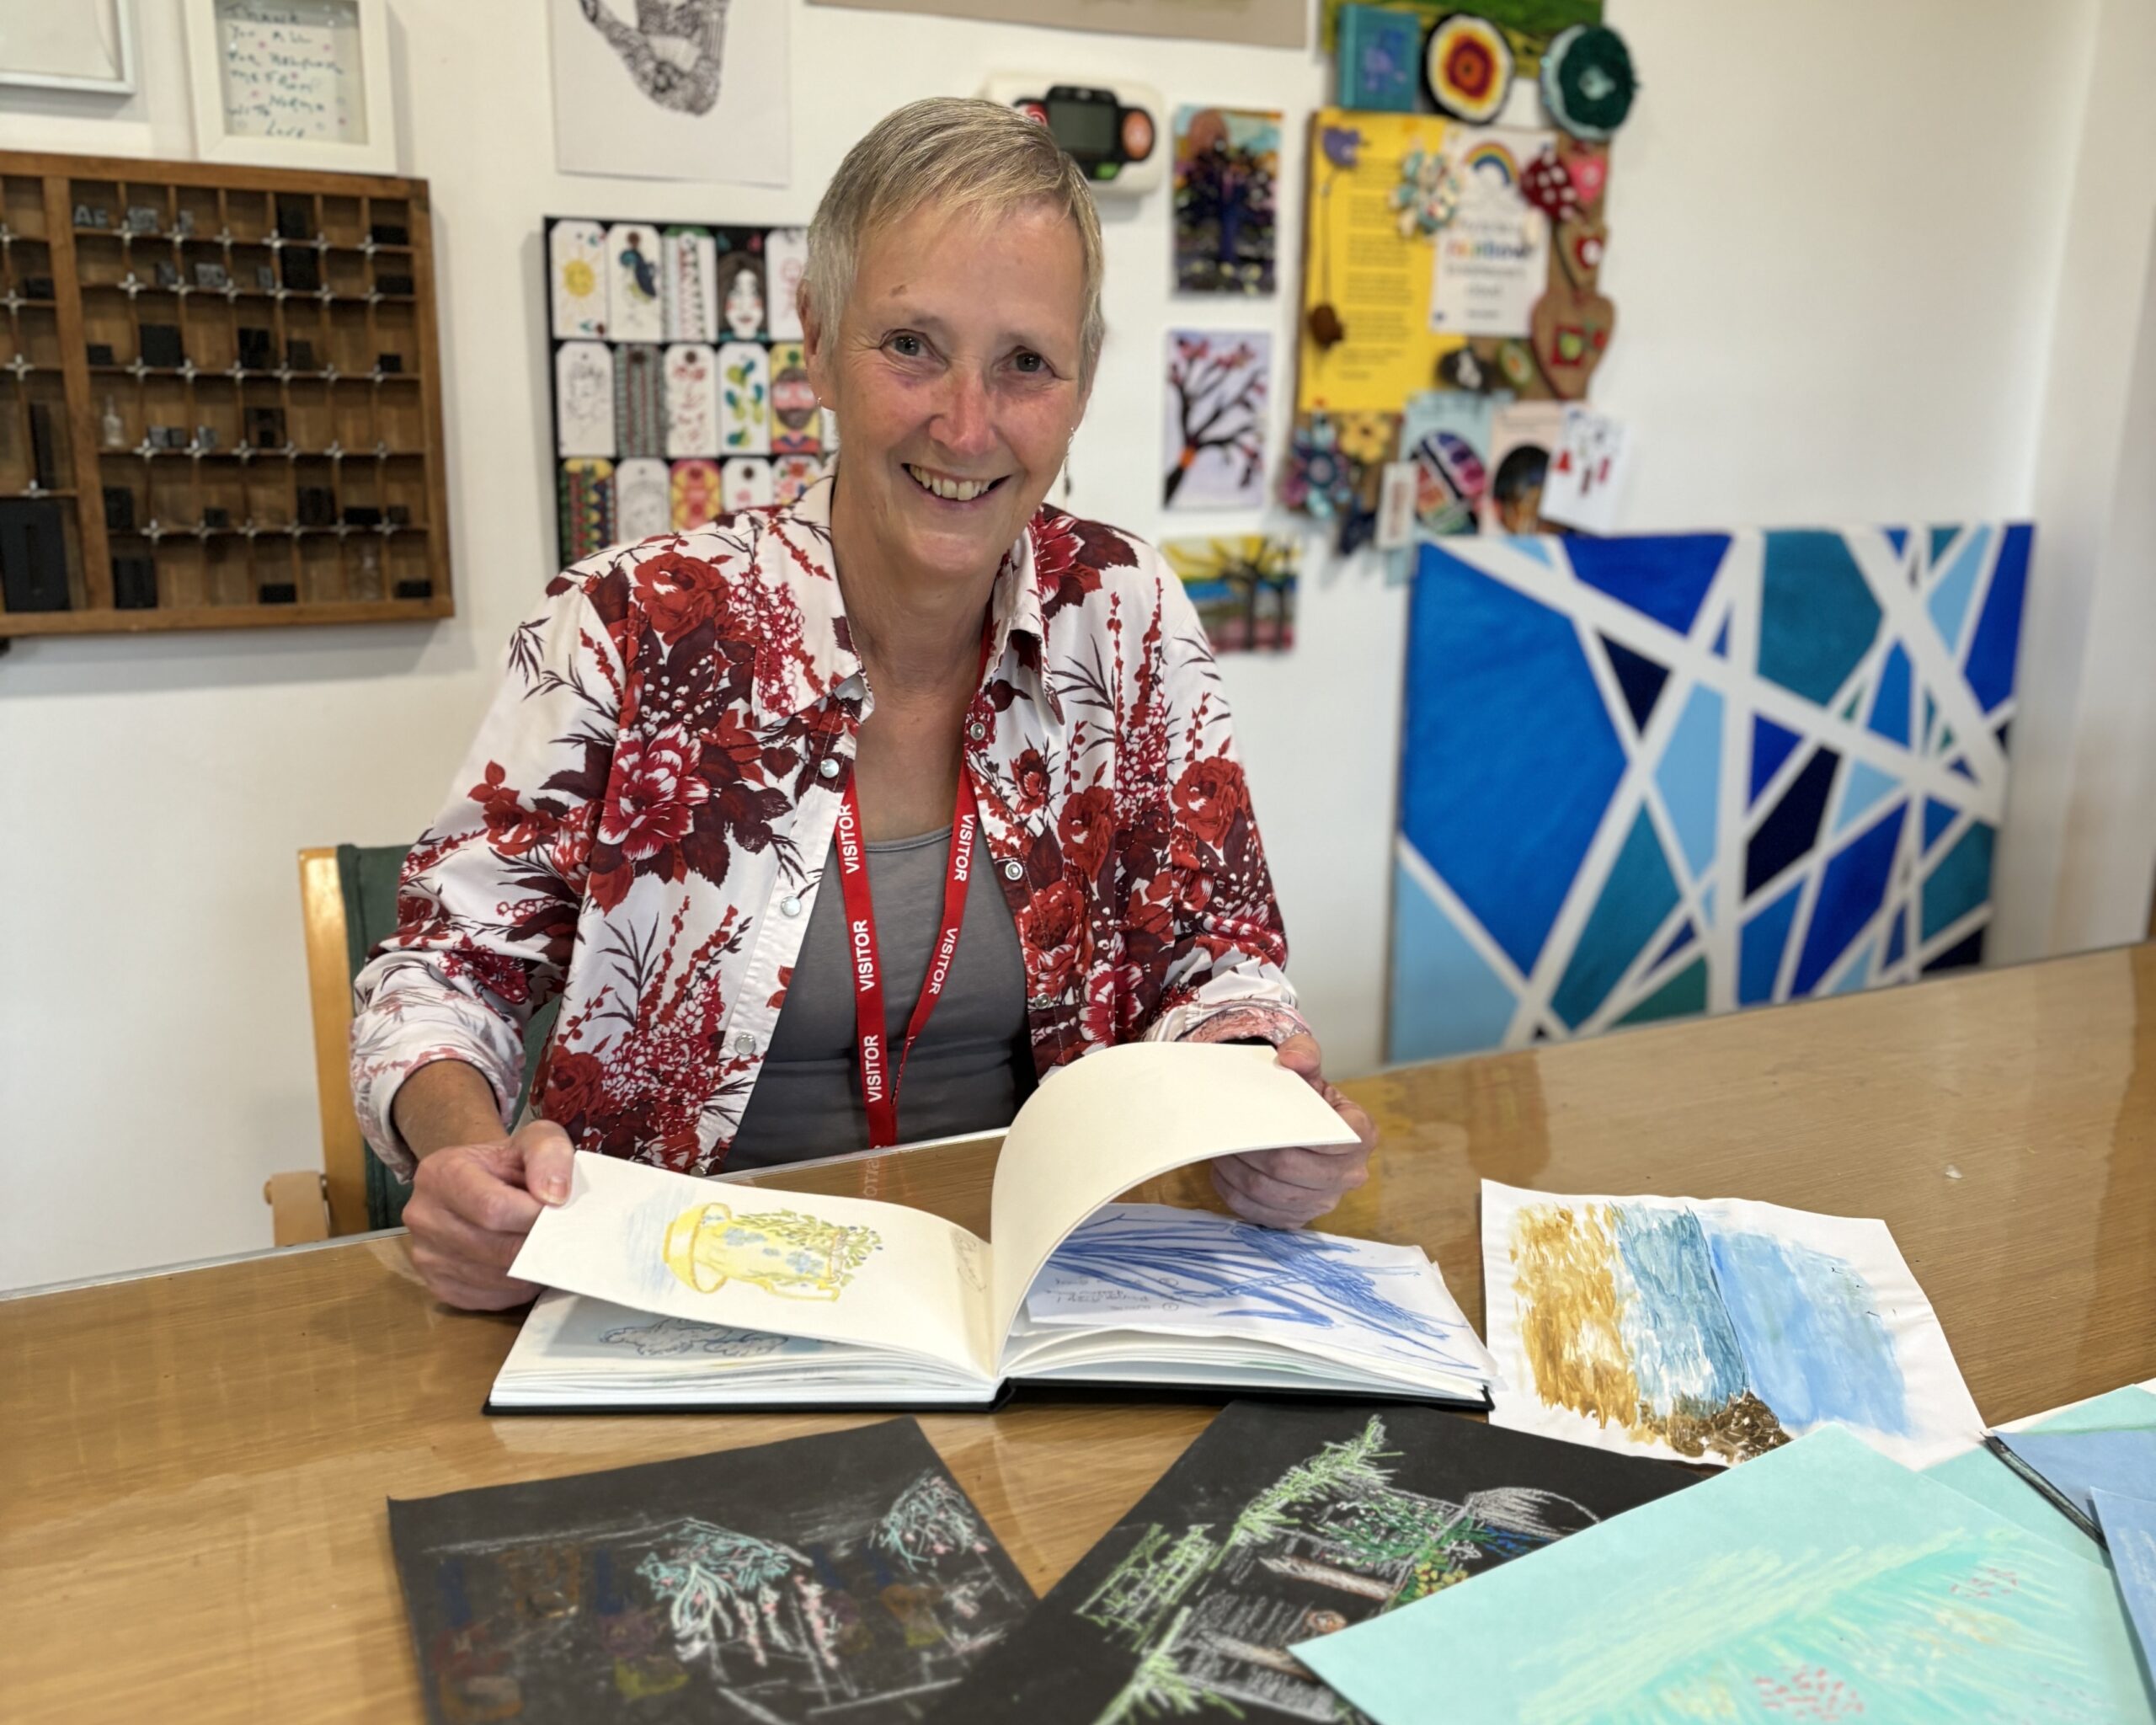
669, 1290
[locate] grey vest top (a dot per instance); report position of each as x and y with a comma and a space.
973, 1066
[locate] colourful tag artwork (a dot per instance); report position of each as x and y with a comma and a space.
742, 301
1243, 586
643, 499
691, 285
744, 398
639, 400
692, 419
584, 398
1227, 168
636, 306
699, 495
745, 483
577, 271
796, 422
785, 259
587, 507
793, 474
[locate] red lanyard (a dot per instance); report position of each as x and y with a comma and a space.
879, 1081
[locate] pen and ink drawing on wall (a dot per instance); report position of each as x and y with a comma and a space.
1244, 587
1281, 1523
1708, 770
1214, 440
844, 1576
671, 90
671, 356
1712, 1331
1227, 171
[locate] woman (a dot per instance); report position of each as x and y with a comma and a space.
752, 766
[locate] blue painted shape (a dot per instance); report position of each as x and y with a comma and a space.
1446, 1000
1890, 710
1817, 616
1959, 881
2129, 1526
1950, 597
1759, 948
1685, 935
1850, 896
1941, 537
1937, 817
1509, 756
1997, 643
1636, 900
1857, 976
1930, 712
1962, 766
1895, 932
1531, 545
1721, 640
2075, 1464
1862, 788
1707, 907
1678, 1336
1689, 776
1898, 537
1770, 746
1815, 1348
1981, 1475
1665, 575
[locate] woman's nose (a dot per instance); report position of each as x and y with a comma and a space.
965, 426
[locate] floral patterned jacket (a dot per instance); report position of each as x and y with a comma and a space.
652, 798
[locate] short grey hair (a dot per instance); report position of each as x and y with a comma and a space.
961, 153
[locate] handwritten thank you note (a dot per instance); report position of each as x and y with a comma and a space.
291, 69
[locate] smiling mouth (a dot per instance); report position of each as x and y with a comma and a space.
949, 490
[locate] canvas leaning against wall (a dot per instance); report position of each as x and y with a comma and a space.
1652, 776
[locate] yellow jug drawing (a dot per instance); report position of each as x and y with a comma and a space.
783, 1252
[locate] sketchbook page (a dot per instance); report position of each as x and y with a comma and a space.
2129, 1526
1278, 1523
1711, 1331
799, 1263
1104, 1124
1821, 1582
843, 1577
1156, 1269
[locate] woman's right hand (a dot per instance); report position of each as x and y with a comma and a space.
471, 1204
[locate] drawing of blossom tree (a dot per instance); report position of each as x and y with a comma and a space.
1215, 419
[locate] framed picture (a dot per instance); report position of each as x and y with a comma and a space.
292, 83
86, 44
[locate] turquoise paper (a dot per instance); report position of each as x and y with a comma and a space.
1981, 1475
1820, 1581
2075, 1464
2129, 1526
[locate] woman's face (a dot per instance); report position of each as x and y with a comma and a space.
954, 373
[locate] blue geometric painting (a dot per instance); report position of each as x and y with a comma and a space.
1657, 775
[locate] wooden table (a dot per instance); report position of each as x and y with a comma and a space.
191, 1521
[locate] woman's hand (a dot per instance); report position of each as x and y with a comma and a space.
1287, 1189
471, 1204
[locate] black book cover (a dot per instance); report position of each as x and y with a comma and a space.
842, 1577
1280, 1524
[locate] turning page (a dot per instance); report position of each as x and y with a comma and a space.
1116, 1118
838, 1270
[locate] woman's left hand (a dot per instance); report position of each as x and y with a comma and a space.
1287, 1189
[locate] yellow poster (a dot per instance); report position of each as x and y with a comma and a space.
1381, 190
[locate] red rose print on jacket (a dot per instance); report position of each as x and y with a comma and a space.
1052, 929
1086, 829
654, 794
1209, 796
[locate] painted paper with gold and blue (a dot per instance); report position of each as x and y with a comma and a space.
1657, 775
1711, 1331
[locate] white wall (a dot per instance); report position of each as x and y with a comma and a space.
1835, 252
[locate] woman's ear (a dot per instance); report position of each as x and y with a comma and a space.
815, 351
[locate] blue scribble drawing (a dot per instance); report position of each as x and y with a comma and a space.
679, 1335
1814, 1345
1236, 1270
1684, 1349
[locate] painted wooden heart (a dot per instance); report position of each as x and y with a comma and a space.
1570, 332
1581, 243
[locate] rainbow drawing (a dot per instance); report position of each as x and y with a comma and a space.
1491, 155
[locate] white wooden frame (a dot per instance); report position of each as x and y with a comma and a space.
215, 142
123, 13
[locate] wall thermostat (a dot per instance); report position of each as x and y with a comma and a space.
1114, 134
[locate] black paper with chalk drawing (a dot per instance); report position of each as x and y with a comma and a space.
1277, 1525
842, 1576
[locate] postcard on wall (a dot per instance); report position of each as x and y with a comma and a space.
1382, 189
1227, 171
1823, 1582
1523, 435
841, 1576
1244, 587
1492, 258
1444, 435
695, 89
1712, 1331
1214, 418
1281, 1523
1586, 478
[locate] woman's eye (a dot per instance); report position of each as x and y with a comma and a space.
1029, 362
907, 346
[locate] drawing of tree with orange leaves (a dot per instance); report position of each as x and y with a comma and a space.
1217, 384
